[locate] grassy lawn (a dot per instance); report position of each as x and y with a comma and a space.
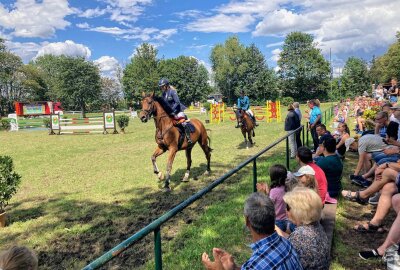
83, 194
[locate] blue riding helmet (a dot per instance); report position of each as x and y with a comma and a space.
163, 82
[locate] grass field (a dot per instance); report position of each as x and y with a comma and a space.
83, 194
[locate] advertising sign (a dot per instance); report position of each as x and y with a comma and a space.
109, 120
13, 122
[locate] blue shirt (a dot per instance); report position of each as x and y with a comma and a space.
273, 252
314, 114
243, 103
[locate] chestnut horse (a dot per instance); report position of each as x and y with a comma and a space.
167, 136
246, 126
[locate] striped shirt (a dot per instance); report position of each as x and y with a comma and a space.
273, 252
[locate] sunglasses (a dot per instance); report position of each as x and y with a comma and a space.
287, 207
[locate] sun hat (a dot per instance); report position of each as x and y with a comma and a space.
348, 142
304, 170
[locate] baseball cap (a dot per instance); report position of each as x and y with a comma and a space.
348, 142
304, 170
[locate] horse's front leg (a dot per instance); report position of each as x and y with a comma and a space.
159, 151
189, 164
171, 157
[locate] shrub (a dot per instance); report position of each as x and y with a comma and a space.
123, 122
46, 122
5, 124
207, 105
9, 181
287, 100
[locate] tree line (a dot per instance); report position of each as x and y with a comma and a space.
301, 73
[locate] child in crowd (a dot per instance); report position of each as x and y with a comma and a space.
278, 175
18, 258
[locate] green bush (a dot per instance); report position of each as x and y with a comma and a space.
5, 124
123, 122
286, 101
207, 105
9, 181
46, 122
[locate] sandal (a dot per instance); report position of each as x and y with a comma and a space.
355, 198
369, 254
370, 229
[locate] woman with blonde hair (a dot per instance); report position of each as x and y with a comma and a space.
304, 209
18, 258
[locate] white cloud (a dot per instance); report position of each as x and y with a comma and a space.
126, 10
249, 7
108, 66
83, 25
222, 23
276, 55
143, 34
68, 48
92, 13
25, 50
28, 18
275, 44
281, 22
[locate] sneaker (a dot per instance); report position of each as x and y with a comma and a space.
370, 254
374, 199
361, 182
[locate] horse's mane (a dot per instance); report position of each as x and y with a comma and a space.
163, 104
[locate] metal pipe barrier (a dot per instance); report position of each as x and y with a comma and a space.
155, 226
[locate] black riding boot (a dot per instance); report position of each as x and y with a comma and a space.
254, 121
187, 133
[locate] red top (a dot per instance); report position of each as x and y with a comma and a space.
321, 180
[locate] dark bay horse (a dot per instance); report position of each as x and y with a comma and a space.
246, 126
167, 137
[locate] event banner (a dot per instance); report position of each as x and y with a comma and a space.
13, 121
55, 122
109, 120
32, 109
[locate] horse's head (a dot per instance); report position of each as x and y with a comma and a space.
147, 107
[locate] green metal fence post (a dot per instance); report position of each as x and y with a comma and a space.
308, 142
325, 117
302, 131
255, 175
157, 248
287, 153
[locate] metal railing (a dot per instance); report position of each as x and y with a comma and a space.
155, 226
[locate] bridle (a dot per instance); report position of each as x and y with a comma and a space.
149, 112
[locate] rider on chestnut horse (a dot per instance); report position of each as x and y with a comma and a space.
243, 103
171, 98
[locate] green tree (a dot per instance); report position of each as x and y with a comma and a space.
79, 82
50, 67
189, 77
388, 65
33, 83
10, 88
141, 73
355, 78
260, 82
303, 70
229, 64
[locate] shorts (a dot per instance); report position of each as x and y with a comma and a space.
397, 182
393, 99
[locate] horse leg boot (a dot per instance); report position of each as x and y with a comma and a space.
187, 133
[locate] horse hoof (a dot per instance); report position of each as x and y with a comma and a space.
160, 176
167, 189
207, 173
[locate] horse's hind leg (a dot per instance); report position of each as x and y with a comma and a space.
159, 151
249, 136
207, 151
189, 164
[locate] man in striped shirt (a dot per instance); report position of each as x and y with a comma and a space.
270, 251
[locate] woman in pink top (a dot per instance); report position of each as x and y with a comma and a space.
278, 175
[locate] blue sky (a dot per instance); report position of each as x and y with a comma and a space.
108, 31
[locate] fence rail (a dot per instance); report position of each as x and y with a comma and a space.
155, 226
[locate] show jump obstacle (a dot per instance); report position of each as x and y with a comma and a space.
60, 125
268, 113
